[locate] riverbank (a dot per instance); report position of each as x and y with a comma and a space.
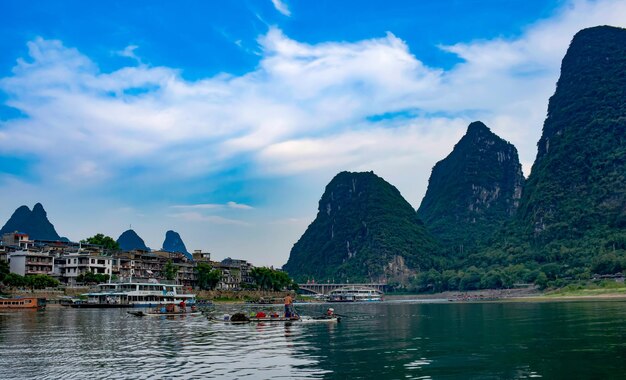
215, 296
472, 295
529, 294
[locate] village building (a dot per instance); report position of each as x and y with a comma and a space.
27, 263
17, 241
236, 274
69, 267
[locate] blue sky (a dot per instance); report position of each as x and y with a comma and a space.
225, 120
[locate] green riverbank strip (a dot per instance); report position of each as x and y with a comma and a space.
587, 293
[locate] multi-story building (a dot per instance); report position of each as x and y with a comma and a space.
199, 256
29, 263
146, 265
186, 274
17, 240
69, 267
236, 274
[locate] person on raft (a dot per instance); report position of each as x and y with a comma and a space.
289, 312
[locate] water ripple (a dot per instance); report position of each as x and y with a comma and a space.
396, 340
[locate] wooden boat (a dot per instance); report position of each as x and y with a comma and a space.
275, 319
324, 318
163, 314
22, 303
268, 319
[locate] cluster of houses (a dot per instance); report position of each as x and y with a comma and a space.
66, 261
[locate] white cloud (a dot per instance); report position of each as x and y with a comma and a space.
213, 206
306, 111
202, 206
214, 219
238, 206
281, 7
129, 52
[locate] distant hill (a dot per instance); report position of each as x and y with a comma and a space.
174, 243
35, 223
129, 240
473, 191
364, 231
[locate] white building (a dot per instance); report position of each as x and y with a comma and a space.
69, 267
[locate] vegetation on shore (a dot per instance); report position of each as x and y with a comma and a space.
106, 242
602, 288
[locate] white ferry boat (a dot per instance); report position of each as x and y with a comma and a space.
355, 294
135, 294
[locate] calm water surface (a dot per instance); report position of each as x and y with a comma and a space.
401, 340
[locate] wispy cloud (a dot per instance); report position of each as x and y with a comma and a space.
203, 206
239, 206
129, 52
281, 7
213, 206
213, 219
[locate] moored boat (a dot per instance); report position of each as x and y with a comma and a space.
135, 294
355, 294
22, 303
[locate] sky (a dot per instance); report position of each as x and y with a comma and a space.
224, 121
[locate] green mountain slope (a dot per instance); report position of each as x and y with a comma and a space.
577, 187
474, 190
364, 231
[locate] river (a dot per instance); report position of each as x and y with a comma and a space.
388, 340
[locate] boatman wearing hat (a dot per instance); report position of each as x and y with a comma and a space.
330, 312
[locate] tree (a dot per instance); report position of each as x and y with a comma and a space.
271, 279
541, 281
170, 270
105, 242
14, 280
471, 279
208, 278
262, 277
41, 281
607, 264
92, 278
4, 269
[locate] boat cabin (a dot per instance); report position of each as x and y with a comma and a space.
22, 303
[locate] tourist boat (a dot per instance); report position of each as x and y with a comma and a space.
135, 294
22, 303
355, 294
